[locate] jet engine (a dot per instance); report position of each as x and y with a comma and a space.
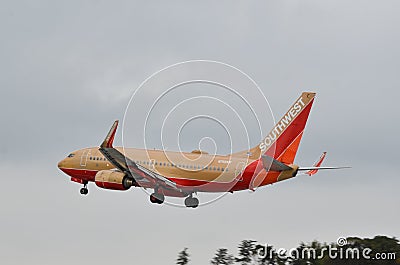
113, 180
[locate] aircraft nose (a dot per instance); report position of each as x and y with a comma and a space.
60, 164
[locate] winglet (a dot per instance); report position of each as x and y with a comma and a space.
108, 141
317, 164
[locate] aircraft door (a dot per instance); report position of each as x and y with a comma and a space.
84, 157
152, 163
239, 169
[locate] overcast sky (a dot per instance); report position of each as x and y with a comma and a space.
69, 69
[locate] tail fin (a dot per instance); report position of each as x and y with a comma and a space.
283, 140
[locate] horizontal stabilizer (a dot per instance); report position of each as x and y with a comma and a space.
271, 164
314, 170
317, 166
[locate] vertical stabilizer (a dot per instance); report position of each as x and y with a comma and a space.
283, 140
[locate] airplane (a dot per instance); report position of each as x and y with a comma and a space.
179, 174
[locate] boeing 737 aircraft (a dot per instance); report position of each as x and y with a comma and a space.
180, 174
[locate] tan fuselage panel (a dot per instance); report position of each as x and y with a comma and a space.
186, 166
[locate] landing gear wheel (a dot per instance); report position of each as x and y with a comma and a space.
84, 191
191, 202
157, 198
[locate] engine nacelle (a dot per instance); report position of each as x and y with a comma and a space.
113, 180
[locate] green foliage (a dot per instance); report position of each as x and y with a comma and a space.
222, 257
183, 257
314, 253
247, 251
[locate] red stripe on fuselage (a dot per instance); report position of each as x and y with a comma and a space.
84, 174
241, 183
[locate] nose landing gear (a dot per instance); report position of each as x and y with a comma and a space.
84, 190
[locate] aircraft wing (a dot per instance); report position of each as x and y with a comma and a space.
141, 174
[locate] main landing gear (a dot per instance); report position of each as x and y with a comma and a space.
157, 198
191, 202
84, 190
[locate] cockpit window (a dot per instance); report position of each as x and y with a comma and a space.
71, 155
